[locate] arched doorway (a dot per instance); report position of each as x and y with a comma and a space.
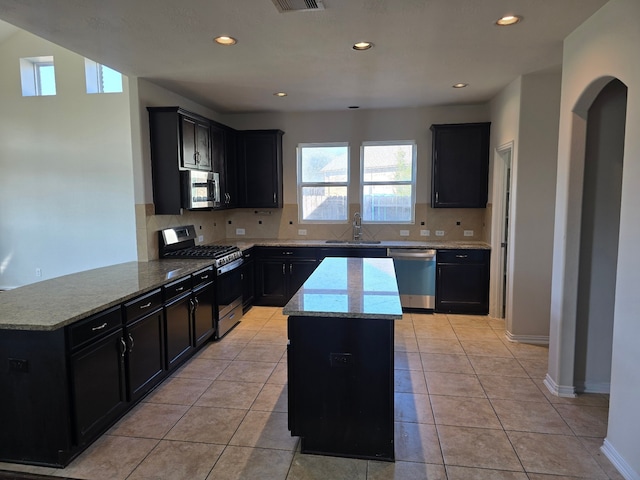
599, 232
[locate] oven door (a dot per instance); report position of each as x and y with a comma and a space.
229, 300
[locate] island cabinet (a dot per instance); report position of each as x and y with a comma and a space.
462, 281
460, 165
260, 168
280, 272
340, 359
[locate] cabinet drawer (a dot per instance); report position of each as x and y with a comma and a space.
95, 326
461, 256
142, 305
203, 276
173, 289
286, 252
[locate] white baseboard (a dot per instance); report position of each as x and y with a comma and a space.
559, 390
593, 387
620, 463
532, 339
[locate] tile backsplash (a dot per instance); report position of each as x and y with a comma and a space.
283, 224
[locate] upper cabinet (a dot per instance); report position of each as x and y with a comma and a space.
460, 165
260, 168
226, 165
196, 144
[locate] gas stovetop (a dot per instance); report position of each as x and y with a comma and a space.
179, 242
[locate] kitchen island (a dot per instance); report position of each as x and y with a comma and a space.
340, 358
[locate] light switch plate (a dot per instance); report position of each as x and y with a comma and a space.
468, 233
404, 233
200, 238
425, 233
239, 231
439, 233
302, 231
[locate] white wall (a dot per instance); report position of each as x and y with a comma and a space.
526, 115
604, 47
66, 186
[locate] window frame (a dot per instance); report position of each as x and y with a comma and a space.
94, 77
301, 184
31, 76
411, 183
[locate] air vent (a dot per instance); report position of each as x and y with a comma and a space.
284, 6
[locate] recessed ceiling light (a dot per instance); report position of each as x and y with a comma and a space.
460, 85
225, 40
280, 94
362, 46
508, 20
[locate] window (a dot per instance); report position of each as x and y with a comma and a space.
38, 76
101, 79
323, 180
388, 181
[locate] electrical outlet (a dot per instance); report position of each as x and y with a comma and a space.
200, 238
439, 233
38, 272
404, 233
425, 233
239, 231
302, 231
468, 233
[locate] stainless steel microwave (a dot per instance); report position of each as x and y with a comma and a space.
200, 190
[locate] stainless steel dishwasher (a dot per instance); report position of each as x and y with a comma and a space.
416, 275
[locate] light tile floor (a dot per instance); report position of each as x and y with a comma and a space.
469, 405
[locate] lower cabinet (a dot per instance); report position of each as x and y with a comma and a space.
280, 272
462, 281
178, 329
248, 280
145, 354
98, 385
203, 313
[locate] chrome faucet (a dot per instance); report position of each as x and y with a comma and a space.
357, 226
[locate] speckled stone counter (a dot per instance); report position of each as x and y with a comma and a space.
55, 303
245, 244
350, 288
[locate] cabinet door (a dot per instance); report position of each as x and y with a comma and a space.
261, 169
203, 146
188, 142
98, 385
460, 165
230, 196
178, 330
299, 271
271, 282
203, 314
145, 354
248, 287
462, 288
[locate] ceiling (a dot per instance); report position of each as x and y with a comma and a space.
421, 47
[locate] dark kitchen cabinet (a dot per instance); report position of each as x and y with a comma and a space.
358, 252
179, 140
225, 165
203, 313
280, 272
145, 353
260, 168
178, 330
97, 373
248, 279
460, 165
462, 281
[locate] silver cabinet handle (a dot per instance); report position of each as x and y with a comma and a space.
130, 343
462, 256
204, 277
146, 305
287, 253
99, 327
179, 289
284, 272
274, 197
123, 344
290, 268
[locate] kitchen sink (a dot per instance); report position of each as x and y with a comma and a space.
354, 242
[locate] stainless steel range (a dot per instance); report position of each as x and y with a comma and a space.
180, 242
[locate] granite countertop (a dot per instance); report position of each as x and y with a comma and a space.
55, 303
245, 244
349, 288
